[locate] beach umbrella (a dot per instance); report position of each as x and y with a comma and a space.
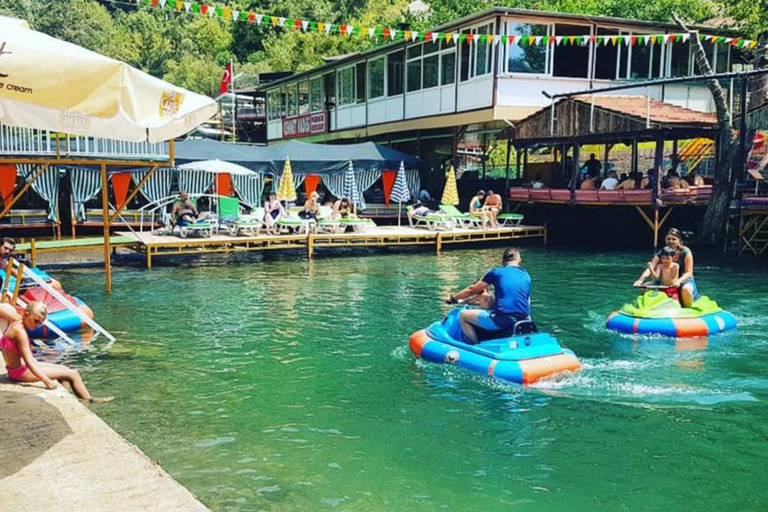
349, 189
400, 192
285, 191
50, 84
450, 193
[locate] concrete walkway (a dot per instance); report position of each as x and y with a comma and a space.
56, 455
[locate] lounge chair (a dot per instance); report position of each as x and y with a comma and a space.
433, 222
510, 219
326, 223
464, 220
357, 224
231, 218
204, 228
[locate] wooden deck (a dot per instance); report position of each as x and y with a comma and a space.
155, 246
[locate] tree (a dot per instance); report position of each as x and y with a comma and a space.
141, 40
199, 74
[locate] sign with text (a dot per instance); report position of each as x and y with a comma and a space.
305, 125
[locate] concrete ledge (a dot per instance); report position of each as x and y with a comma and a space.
56, 455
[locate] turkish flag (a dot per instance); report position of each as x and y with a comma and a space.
226, 79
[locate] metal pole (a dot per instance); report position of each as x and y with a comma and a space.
506, 182
105, 217
234, 99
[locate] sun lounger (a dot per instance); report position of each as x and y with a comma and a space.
464, 220
184, 229
434, 222
232, 219
296, 225
510, 219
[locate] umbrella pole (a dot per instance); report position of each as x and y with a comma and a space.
105, 221
399, 218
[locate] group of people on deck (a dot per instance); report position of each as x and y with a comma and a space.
590, 177
510, 301
184, 212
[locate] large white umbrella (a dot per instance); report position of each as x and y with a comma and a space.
53, 85
217, 166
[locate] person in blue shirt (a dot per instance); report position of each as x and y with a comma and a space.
512, 298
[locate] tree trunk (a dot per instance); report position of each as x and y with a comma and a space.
716, 216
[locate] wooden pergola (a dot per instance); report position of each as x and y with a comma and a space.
44, 162
572, 122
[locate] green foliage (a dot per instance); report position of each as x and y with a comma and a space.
191, 50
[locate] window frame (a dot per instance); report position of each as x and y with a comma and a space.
340, 86
508, 23
369, 75
321, 99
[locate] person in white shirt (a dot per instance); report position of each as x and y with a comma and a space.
610, 182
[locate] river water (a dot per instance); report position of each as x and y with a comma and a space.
286, 385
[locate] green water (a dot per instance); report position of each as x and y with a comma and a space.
282, 384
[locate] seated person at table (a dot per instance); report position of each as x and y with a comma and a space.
611, 182
645, 180
630, 183
674, 181
311, 207
185, 212
538, 182
694, 179
666, 272
588, 183
344, 209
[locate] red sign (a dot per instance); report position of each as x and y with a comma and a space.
305, 125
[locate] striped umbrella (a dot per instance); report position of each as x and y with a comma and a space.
400, 192
450, 193
349, 189
285, 191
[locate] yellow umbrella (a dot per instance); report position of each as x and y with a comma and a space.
286, 192
450, 194
49, 84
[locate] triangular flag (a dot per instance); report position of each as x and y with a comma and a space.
551, 40
259, 17
559, 40
251, 17
448, 37
304, 25
187, 6
393, 33
235, 15
162, 3
435, 37
328, 28
414, 35
646, 39
407, 34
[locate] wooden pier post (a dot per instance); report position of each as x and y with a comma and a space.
105, 217
310, 245
439, 242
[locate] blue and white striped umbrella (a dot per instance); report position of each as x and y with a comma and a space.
349, 190
400, 192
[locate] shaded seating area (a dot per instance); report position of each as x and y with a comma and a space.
609, 197
28, 203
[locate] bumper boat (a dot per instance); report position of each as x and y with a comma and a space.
654, 312
58, 313
521, 355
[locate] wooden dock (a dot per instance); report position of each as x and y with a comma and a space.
155, 246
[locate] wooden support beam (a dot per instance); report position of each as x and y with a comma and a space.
119, 208
19, 279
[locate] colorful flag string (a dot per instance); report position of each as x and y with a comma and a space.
385, 34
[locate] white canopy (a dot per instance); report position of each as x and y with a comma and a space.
217, 166
49, 84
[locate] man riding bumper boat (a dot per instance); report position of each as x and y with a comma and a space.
512, 301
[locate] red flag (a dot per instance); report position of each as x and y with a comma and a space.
226, 79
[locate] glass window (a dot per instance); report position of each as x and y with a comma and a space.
482, 53
283, 102
680, 58
657, 60
606, 56
527, 58
346, 86
741, 60
414, 75
414, 52
431, 71
721, 64
376, 78
571, 60
293, 109
448, 64
641, 61
431, 48
316, 94
360, 81
273, 104
303, 97
395, 73
330, 90
466, 59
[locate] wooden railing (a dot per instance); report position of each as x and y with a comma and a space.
16, 141
609, 197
